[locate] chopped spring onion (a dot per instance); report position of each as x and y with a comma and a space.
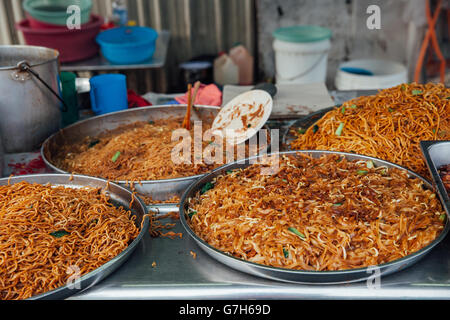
362, 172
338, 204
390, 110
192, 213
315, 128
59, 233
115, 156
442, 217
353, 106
343, 110
339, 129
296, 232
286, 253
206, 187
301, 130
416, 92
151, 122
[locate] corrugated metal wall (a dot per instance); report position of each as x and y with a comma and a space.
197, 27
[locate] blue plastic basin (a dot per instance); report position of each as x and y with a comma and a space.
127, 45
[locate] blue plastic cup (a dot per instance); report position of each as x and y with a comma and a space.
108, 93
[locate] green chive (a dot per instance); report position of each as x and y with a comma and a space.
362, 172
353, 106
286, 253
337, 204
206, 187
370, 164
416, 92
315, 128
151, 122
301, 131
298, 233
59, 233
116, 156
343, 110
229, 171
339, 129
403, 87
192, 213
284, 180
390, 110
442, 217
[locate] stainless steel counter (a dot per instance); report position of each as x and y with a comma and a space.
177, 275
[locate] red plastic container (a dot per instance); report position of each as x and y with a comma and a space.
73, 45
37, 24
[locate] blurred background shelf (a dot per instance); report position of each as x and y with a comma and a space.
99, 63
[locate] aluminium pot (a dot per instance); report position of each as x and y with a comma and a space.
29, 104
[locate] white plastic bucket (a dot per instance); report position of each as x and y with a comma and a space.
301, 54
385, 74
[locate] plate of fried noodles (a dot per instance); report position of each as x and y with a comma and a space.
315, 217
388, 125
60, 234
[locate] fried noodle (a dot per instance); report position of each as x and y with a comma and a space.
49, 234
317, 214
388, 125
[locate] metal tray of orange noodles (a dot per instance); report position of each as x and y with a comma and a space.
302, 276
119, 196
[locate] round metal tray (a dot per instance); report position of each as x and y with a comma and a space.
119, 196
300, 276
162, 189
159, 189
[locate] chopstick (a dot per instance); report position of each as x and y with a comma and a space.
190, 103
187, 118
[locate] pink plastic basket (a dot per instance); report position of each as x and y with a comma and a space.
73, 45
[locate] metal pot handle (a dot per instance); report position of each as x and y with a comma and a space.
25, 66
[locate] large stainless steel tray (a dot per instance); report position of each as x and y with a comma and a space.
159, 189
119, 196
163, 189
298, 276
437, 153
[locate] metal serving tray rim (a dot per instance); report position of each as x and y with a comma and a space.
179, 179
308, 117
206, 178
128, 250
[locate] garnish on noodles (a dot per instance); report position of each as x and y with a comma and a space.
388, 125
49, 234
318, 214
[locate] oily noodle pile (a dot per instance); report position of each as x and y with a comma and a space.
388, 125
317, 214
50, 235
135, 152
